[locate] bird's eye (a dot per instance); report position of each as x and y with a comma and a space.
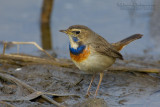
76, 32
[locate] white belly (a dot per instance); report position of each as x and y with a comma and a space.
95, 63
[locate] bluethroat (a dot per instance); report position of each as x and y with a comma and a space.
92, 53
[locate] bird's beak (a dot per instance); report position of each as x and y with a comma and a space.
64, 31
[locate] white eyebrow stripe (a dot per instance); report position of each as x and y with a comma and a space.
76, 30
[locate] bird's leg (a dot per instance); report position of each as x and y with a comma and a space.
90, 84
100, 80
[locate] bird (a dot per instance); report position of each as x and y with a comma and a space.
91, 53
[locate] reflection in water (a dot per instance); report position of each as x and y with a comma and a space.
45, 24
46, 36
132, 12
155, 22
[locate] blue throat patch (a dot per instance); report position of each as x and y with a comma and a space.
78, 50
75, 39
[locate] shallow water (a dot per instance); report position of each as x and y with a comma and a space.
114, 20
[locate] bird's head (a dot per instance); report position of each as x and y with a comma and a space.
78, 33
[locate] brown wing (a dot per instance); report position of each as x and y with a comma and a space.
101, 46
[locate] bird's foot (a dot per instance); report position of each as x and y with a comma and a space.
88, 94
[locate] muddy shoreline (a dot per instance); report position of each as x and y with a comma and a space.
70, 85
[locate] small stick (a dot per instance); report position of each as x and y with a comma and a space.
37, 60
6, 104
35, 44
127, 69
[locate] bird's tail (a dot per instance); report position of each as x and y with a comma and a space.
121, 44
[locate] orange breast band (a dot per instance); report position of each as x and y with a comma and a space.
82, 56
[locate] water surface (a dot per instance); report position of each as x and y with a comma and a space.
114, 20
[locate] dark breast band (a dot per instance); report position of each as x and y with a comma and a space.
77, 51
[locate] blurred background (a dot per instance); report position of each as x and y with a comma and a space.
41, 20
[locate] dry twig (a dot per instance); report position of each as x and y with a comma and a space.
5, 104
127, 69
31, 59
29, 88
33, 43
